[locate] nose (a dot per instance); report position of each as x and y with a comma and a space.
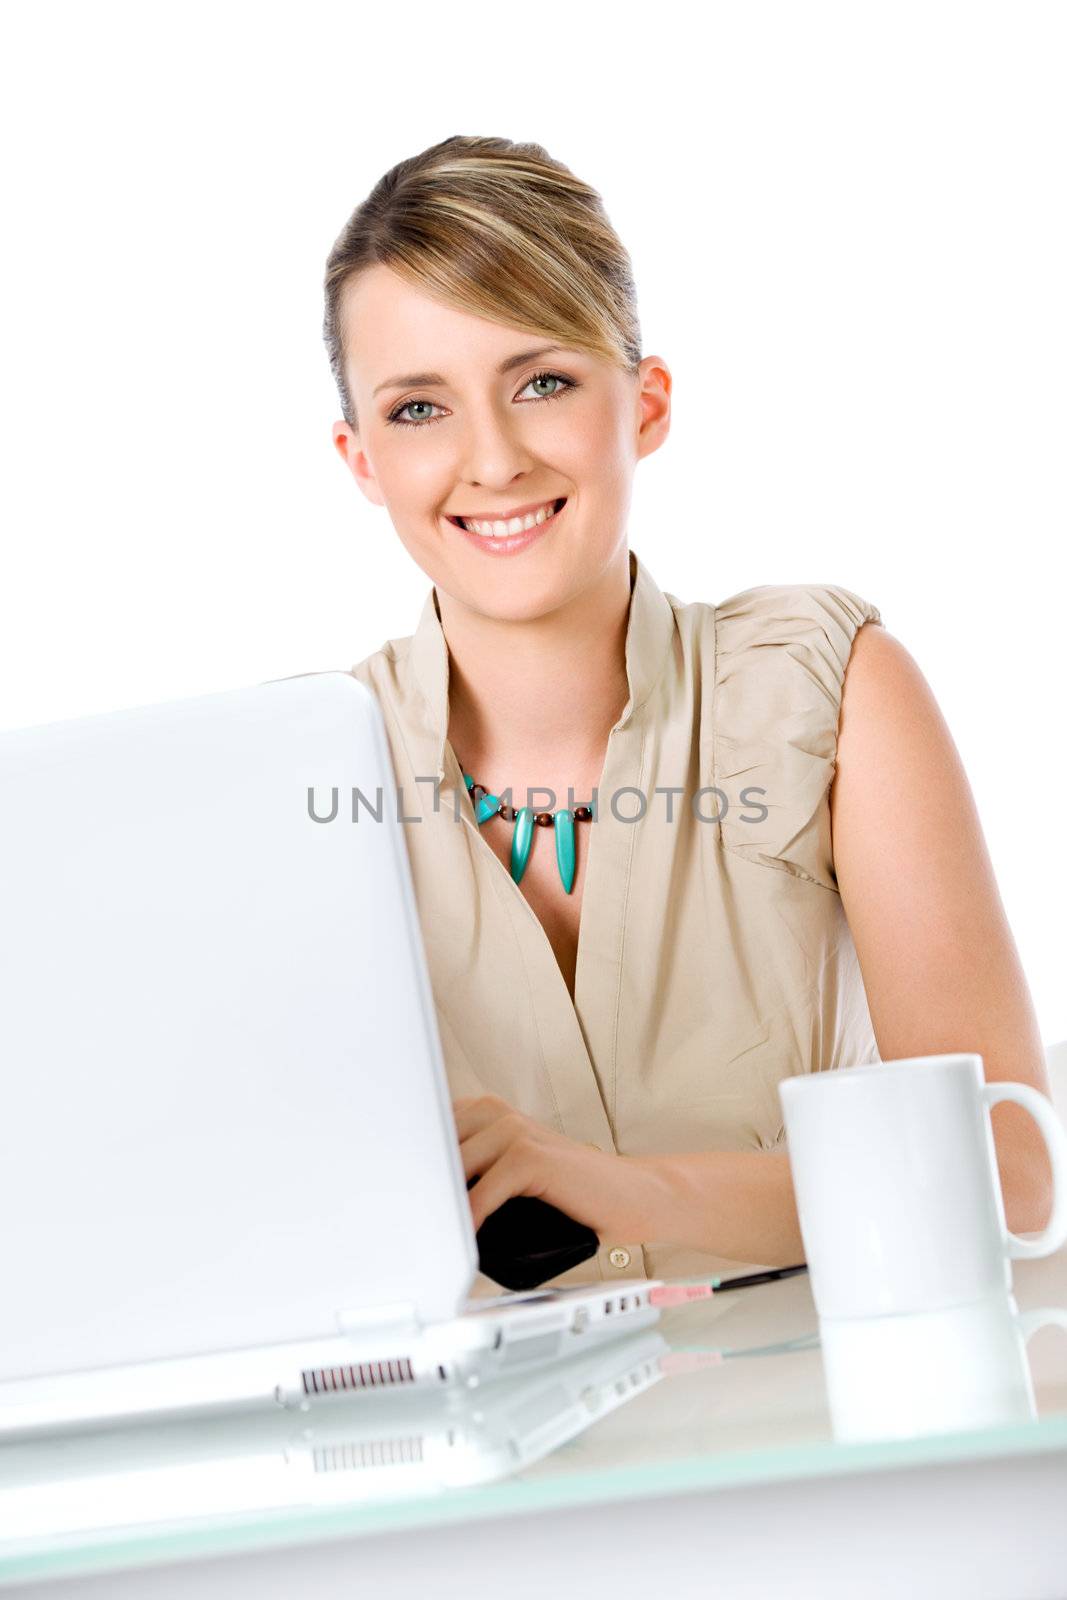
492, 453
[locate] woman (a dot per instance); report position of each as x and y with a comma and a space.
619, 995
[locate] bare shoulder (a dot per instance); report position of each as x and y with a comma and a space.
899, 781
890, 722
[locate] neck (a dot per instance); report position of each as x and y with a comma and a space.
546, 691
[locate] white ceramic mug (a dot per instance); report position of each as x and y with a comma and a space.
897, 1186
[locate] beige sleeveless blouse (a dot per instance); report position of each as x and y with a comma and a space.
714, 957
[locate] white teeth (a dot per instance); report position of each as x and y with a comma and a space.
501, 530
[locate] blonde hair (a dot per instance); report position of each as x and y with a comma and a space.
499, 230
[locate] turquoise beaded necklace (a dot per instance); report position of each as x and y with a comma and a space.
524, 817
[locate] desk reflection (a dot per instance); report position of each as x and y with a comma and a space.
930, 1372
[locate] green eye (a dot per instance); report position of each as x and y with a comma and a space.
552, 377
413, 421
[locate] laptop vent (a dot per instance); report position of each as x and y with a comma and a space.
354, 1456
361, 1375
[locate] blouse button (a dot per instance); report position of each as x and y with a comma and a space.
619, 1257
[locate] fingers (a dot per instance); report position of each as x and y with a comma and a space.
472, 1114
501, 1147
503, 1180
478, 1151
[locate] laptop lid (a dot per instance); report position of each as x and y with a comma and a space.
225, 1120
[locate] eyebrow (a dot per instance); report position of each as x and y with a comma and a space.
416, 379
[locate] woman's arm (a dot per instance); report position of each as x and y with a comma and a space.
732, 1203
939, 962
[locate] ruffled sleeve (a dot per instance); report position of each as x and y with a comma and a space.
781, 651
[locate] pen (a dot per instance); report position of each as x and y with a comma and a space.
719, 1284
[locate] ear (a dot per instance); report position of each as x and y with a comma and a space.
654, 403
355, 458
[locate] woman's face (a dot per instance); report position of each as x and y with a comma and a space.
491, 435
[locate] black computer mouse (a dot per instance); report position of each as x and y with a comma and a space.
526, 1241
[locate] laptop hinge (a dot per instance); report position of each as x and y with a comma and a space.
399, 1317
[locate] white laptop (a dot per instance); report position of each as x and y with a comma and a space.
229, 1170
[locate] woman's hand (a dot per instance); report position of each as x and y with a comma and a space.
511, 1154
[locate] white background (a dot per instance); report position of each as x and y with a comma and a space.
848, 230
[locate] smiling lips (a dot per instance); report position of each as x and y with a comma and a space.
520, 521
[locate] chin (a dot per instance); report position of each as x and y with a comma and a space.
517, 603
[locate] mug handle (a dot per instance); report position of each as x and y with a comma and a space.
1046, 1316
1055, 1136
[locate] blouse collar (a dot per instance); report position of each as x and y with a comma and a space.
649, 631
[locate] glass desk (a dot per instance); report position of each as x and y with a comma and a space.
744, 1389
